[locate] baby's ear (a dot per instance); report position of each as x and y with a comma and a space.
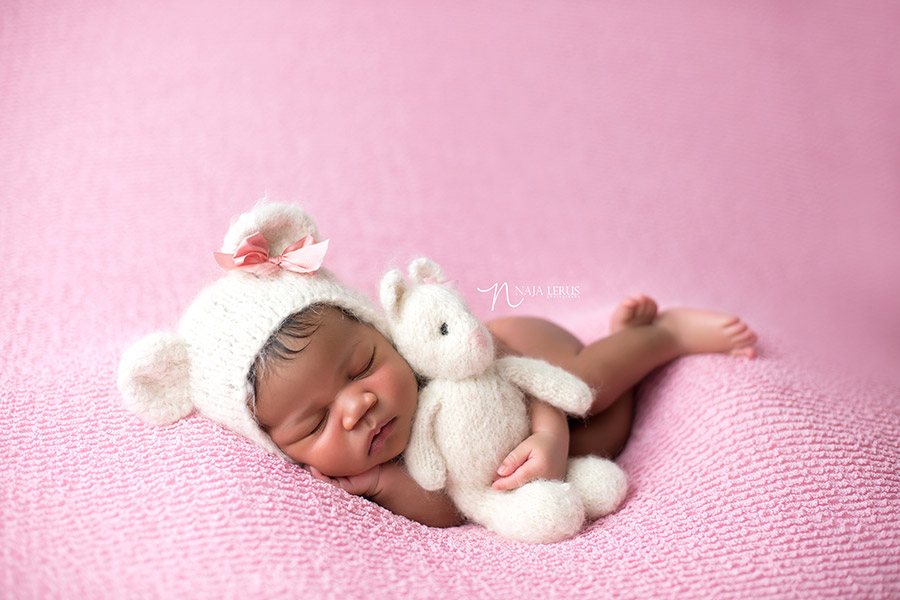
154, 378
424, 270
393, 287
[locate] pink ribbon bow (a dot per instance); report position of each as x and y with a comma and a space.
252, 255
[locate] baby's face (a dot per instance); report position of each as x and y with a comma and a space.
344, 404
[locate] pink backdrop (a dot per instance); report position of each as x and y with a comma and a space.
744, 156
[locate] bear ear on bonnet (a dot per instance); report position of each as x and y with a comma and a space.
154, 377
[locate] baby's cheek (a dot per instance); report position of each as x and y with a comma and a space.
404, 379
388, 379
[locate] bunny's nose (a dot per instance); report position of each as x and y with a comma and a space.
478, 338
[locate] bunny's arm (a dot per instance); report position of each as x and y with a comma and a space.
545, 382
422, 456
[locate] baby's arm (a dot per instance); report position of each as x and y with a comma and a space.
400, 494
391, 486
542, 455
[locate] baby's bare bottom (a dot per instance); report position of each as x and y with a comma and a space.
640, 341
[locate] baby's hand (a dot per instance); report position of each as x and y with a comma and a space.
365, 484
543, 455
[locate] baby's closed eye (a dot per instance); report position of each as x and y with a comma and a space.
367, 368
321, 424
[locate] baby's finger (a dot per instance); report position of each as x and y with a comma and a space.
522, 475
343, 483
320, 475
513, 460
504, 484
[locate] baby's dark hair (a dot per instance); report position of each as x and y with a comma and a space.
296, 326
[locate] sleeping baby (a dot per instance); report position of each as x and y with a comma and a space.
283, 353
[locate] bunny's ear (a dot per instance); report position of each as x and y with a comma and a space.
393, 287
281, 225
424, 270
154, 378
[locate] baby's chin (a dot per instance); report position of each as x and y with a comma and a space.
392, 454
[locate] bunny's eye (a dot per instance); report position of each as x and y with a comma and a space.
444, 329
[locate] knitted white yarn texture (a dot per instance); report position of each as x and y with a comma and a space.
472, 413
203, 367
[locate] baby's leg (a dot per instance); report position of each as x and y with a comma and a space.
610, 366
639, 342
603, 434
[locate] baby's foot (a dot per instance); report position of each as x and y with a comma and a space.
701, 331
633, 312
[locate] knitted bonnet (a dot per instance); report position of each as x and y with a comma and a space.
203, 367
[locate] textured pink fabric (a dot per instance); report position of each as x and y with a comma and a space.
739, 155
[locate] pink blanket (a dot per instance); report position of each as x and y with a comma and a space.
739, 155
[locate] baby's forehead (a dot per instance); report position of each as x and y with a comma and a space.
312, 363
348, 323
340, 324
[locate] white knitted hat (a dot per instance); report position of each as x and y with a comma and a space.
166, 376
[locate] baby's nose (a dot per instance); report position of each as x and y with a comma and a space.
357, 409
478, 338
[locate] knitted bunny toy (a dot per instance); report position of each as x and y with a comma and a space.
472, 413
